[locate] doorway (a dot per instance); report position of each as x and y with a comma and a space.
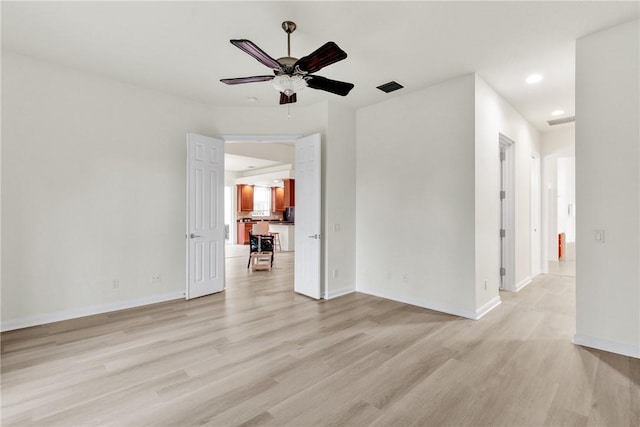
255, 174
560, 215
308, 244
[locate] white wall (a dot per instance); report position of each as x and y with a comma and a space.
559, 142
340, 201
608, 189
415, 197
495, 116
428, 180
93, 187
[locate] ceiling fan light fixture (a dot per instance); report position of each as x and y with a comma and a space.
289, 84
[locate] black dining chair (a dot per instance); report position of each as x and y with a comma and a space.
260, 244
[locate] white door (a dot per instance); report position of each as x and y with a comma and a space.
205, 215
308, 217
507, 215
535, 216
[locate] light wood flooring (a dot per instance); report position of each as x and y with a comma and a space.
258, 354
562, 268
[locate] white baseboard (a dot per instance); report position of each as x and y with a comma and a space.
521, 284
606, 345
58, 316
436, 306
335, 293
490, 305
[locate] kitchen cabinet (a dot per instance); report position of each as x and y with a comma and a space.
243, 232
245, 198
277, 199
289, 193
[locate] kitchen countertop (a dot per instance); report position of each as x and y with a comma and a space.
270, 221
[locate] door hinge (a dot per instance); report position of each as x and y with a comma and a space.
503, 232
502, 156
503, 272
503, 195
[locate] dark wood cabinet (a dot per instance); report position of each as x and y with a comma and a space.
289, 193
245, 198
277, 199
243, 232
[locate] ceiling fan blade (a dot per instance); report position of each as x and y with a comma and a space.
284, 99
259, 54
240, 80
326, 54
333, 86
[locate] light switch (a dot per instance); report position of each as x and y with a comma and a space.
336, 227
599, 236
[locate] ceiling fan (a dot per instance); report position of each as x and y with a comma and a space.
291, 75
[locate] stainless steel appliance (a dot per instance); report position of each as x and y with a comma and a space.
289, 214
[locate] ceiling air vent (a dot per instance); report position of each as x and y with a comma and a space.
390, 87
561, 121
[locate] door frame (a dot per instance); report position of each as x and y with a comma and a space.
275, 138
507, 214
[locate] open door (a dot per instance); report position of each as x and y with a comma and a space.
308, 257
507, 215
205, 215
536, 265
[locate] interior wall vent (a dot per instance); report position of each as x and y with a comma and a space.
390, 87
561, 121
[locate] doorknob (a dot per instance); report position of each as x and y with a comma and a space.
315, 236
193, 236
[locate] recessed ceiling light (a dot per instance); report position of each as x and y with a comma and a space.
534, 78
557, 112
252, 99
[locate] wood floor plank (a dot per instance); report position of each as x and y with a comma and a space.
611, 398
259, 354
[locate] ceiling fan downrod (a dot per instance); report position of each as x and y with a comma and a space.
289, 27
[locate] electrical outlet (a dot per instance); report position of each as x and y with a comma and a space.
115, 284
155, 278
405, 277
335, 273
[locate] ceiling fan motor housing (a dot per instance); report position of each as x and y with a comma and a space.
287, 63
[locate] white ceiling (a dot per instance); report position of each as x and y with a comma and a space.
183, 48
235, 163
247, 155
